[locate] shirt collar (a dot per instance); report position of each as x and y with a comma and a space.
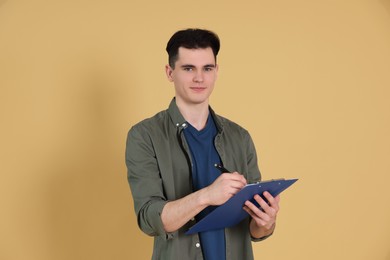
179, 121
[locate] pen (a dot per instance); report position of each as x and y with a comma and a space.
221, 168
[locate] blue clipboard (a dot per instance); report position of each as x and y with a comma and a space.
231, 212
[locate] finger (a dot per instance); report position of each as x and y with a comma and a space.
233, 186
259, 221
272, 201
239, 177
258, 212
233, 190
232, 178
277, 198
251, 213
269, 210
235, 176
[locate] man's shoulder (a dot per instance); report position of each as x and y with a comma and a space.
151, 123
229, 124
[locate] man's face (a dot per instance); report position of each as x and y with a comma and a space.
194, 75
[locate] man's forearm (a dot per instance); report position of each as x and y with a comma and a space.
177, 213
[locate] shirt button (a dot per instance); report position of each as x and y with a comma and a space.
193, 219
197, 244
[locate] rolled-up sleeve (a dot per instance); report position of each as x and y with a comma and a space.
145, 182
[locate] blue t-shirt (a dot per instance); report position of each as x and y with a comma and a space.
204, 156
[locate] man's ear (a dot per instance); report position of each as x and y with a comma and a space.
169, 71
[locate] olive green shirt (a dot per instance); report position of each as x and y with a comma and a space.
159, 170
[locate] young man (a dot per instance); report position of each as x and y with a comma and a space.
171, 156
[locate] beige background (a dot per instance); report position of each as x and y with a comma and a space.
309, 79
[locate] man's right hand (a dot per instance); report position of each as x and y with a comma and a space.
225, 187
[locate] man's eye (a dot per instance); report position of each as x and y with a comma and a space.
187, 69
208, 69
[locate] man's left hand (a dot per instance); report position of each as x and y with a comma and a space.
263, 218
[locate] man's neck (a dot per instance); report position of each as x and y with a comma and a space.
195, 114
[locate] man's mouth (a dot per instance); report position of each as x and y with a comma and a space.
198, 88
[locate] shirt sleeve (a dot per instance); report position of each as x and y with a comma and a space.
145, 182
254, 173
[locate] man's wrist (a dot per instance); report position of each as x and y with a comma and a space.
203, 198
260, 232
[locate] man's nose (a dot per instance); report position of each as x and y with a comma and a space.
198, 77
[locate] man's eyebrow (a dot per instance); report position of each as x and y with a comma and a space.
187, 66
193, 66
